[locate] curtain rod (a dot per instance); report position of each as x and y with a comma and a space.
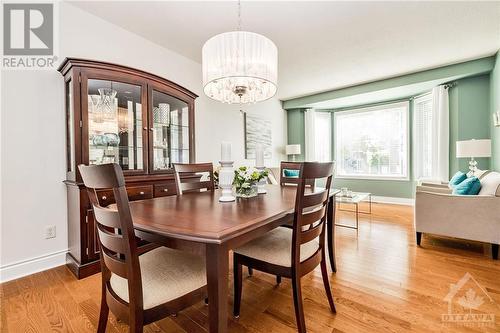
446, 86
450, 85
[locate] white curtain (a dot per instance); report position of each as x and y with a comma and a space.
310, 130
441, 134
323, 137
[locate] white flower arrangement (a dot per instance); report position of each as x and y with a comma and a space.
247, 177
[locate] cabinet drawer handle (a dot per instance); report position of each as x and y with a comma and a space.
165, 190
141, 193
103, 197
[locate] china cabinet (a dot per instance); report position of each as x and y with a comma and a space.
117, 114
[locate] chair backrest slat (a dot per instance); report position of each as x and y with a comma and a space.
196, 186
310, 205
107, 217
316, 198
188, 185
110, 176
312, 217
114, 264
115, 230
111, 241
310, 234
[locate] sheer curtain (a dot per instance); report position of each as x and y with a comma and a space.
432, 136
318, 136
323, 137
441, 137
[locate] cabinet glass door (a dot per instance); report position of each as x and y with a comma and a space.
115, 124
170, 130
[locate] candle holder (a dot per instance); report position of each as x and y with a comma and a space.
226, 176
261, 185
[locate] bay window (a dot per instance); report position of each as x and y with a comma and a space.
372, 142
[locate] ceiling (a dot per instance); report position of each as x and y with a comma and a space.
322, 45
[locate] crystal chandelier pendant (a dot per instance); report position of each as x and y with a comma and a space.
107, 105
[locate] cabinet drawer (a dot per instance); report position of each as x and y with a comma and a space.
163, 190
106, 197
140, 192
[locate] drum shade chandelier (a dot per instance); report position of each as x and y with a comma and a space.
239, 67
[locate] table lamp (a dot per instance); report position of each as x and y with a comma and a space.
292, 150
473, 148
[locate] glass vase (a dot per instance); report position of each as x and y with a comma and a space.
247, 192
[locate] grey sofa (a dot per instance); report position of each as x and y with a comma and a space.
471, 217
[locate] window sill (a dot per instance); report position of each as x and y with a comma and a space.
361, 177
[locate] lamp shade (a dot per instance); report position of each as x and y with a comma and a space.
239, 67
292, 149
474, 148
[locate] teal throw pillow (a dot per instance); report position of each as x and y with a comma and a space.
291, 173
470, 186
457, 179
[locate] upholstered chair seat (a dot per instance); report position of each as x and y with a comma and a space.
275, 247
166, 274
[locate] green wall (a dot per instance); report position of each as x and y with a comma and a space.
296, 130
470, 118
495, 106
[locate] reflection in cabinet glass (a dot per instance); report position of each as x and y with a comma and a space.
115, 124
170, 131
70, 131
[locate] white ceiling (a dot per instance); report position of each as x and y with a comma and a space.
323, 45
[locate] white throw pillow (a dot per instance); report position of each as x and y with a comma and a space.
490, 183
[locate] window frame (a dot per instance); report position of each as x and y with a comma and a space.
406, 106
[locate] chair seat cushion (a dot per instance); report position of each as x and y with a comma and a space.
166, 275
275, 247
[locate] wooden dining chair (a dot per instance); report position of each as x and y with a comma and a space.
138, 289
293, 253
287, 168
184, 185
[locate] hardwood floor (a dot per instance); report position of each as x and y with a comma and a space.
384, 283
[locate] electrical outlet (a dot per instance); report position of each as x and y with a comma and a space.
50, 231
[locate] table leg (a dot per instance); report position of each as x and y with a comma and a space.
370, 197
357, 217
217, 279
330, 230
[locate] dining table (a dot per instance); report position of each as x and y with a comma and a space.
199, 223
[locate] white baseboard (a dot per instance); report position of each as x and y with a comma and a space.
393, 200
30, 266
